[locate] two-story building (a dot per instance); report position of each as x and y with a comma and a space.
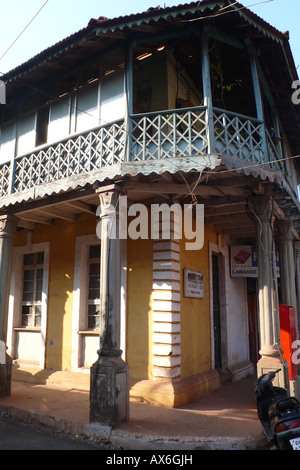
187, 105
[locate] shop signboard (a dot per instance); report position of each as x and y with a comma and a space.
243, 261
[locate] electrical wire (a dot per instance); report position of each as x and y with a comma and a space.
24, 29
226, 12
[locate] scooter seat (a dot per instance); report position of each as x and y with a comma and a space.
283, 405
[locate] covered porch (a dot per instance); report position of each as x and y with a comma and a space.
229, 188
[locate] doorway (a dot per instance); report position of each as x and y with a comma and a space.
253, 321
216, 312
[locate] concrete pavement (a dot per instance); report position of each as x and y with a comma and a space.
224, 420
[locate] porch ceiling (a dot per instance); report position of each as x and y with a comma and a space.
224, 191
224, 195
68, 206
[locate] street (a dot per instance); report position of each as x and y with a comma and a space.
15, 435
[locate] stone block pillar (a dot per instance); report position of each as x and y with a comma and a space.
8, 225
109, 387
166, 310
270, 351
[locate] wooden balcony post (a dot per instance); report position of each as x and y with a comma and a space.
207, 95
258, 98
129, 100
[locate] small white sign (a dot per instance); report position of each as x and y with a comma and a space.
193, 284
295, 443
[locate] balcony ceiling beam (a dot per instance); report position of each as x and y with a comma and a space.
37, 220
53, 212
236, 229
82, 206
54, 200
202, 190
219, 212
26, 224
240, 219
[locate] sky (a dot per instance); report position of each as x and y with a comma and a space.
48, 21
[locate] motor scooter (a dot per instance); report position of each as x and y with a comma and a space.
279, 414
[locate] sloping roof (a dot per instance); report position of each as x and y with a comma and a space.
104, 26
105, 34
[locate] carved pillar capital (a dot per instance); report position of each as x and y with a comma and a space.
284, 230
262, 207
297, 248
8, 225
108, 198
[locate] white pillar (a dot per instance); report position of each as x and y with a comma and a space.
109, 392
297, 276
288, 278
268, 296
287, 263
8, 225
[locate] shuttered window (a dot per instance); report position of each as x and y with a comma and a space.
33, 273
93, 300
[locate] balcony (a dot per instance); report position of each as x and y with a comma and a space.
164, 135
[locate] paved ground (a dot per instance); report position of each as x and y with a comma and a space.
226, 419
14, 435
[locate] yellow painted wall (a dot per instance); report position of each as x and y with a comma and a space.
62, 237
195, 313
139, 308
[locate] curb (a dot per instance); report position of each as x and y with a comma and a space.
127, 441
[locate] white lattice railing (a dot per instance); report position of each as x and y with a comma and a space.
159, 135
238, 135
168, 134
273, 154
80, 154
4, 179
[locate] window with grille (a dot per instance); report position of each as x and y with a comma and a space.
93, 291
33, 272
